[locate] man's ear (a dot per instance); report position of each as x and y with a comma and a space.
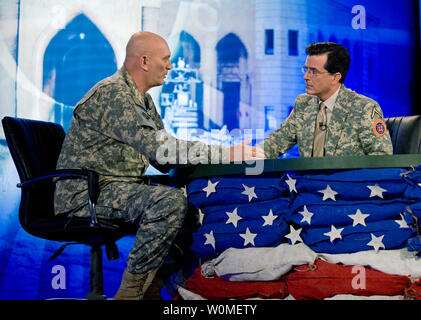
144, 62
337, 76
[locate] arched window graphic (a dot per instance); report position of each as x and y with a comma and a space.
232, 77
188, 49
76, 58
182, 93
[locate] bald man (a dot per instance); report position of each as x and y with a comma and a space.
114, 131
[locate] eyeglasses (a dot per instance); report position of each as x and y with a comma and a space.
312, 72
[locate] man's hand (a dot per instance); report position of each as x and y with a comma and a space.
243, 152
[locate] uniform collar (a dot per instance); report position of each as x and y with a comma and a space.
139, 98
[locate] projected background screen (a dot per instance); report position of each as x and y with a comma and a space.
236, 65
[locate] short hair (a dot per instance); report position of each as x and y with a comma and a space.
338, 59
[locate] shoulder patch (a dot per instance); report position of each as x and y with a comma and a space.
379, 128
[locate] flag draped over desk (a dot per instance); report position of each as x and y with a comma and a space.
338, 213
238, 213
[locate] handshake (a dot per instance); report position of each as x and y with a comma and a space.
244, 152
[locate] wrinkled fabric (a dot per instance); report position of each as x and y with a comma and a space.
374, 297
412, 216
352, 184
258, 264
398, 261
188, 295
247, 211
230, 190
326, 213
414, 244
216, 288
160, 215
324, 279
414, 176
357, 238
414, 291
227, 236
376, 231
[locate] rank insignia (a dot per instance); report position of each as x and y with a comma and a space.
379, 128
375, 111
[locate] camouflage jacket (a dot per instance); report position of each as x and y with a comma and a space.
116, 131
356, 128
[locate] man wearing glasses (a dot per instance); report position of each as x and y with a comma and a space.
329, 119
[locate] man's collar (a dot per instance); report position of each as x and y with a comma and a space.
330, 102
139, 98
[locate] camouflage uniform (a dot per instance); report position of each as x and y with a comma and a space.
356, 128
113, 131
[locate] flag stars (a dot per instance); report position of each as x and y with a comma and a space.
358, 218
291, 184
334, 233
210, 239
328, 193
294, 235
376, 190
376, 242
402, 223
249, 191
233, 217
200, 216
248, 237
210, 188
269, 219
306, 215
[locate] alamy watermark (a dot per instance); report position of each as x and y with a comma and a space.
359, 280
59, 280
359, 20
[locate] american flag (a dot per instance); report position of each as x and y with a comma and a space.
347, 211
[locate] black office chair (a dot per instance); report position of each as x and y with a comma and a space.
405, 133
35, 147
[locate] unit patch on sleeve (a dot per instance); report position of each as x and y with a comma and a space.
379, 128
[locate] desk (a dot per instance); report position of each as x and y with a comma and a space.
182, 175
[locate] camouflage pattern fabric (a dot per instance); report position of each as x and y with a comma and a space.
356, 128
158, 210
114, 131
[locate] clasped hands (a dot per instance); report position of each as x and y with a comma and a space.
243, 152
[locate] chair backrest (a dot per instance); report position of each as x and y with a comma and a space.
34, 146
405, 133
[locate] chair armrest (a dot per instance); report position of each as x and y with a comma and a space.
64, 174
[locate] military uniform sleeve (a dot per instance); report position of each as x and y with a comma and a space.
373, 133
128, 123
282, 139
